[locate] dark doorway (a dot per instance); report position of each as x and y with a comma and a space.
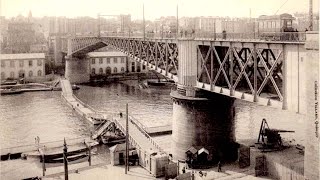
121, 159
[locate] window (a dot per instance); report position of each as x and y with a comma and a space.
261, 25
122, 69
39, 73
115, 70
12, 63
21, 63
100, 71
30, 73
12, 74
39, 62
108, 70
115, 60
100, 61
93, 71
30, 62
3, 75
143, 67
3, 64
108, 60
122, 60
93, 61
21, 73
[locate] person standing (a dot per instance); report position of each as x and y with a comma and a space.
219, 166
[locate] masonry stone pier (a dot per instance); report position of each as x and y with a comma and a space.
312, 152
77, 70
200, 119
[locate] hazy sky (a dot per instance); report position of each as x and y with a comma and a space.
153, 8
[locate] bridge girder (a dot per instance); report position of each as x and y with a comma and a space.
161, 56
250, 72
253, 71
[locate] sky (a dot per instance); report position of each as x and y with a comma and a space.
153, 8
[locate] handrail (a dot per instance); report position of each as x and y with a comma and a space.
134, 121
261, 36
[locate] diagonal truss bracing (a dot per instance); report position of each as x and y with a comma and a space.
232, 68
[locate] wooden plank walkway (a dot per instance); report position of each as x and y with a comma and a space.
159, 130
137, 136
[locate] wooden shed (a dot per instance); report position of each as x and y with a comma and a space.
118, 153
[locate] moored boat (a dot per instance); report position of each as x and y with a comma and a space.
10, 91
70, 158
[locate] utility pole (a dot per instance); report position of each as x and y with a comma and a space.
127, 141
310, 15
177, 34
144, 25
99, 25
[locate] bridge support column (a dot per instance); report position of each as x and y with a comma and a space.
200, 119
203, 122
77, 70
312, 152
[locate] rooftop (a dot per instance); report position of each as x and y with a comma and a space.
22, 56
105, 54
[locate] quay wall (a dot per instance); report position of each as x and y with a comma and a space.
283, 165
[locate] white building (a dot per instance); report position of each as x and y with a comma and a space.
103, 63
29, 66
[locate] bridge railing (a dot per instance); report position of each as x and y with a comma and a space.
252, 36
142, 129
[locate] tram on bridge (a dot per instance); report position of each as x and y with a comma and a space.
277, 27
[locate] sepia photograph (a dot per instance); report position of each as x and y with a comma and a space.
159, 89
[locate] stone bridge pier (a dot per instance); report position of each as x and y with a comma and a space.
77, 70
200, 119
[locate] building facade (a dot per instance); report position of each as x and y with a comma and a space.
29, 66
106, 63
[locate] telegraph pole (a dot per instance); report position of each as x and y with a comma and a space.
127, 141
310, 15
144, 26
99, 25
177, 34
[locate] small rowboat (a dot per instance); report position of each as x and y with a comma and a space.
10, 91
70, 159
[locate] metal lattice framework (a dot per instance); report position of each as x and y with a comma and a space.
253, 71
161, 56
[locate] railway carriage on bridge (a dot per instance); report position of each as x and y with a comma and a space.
277, 27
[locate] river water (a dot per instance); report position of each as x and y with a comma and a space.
45, 114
